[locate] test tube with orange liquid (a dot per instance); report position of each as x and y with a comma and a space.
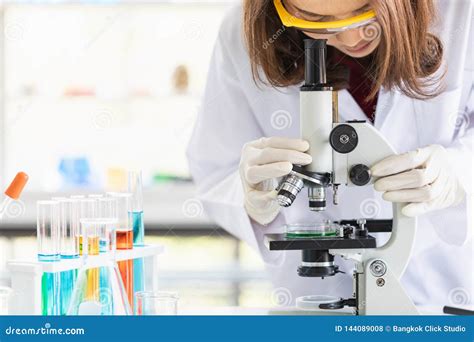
124, 238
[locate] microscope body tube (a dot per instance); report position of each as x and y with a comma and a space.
316, 123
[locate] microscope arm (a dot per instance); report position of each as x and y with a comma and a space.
372, 147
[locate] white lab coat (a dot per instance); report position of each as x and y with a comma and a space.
235, 110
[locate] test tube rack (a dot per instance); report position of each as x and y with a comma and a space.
26, 275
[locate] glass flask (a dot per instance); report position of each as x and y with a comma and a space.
312, 230
99, 288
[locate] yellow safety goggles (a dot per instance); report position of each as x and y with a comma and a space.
323, 27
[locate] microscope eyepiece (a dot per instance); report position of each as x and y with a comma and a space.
315, 62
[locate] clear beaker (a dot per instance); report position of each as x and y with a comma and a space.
312, 230
160, 303
5, 293
99, 289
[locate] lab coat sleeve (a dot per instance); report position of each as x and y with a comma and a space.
461, 151
225, 123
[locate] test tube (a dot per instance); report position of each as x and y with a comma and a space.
47, 224
69, 246
124, 237
69, 230
107, 209
90, 246
48, 236
136, 188
87, 210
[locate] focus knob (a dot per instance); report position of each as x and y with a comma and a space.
343, 138
359, 174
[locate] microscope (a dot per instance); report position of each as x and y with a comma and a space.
342, 155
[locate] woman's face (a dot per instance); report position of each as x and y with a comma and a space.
357, 42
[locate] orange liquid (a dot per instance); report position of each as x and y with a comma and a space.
125, 241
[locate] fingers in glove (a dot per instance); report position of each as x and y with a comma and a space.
423, 194
416, 209
261, 201
273, 155
282, 143
259, 173
412, 179
402, 162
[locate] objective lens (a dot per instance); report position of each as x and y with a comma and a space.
317, 198
290, 187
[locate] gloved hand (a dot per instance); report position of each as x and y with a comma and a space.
424, 178
262, 161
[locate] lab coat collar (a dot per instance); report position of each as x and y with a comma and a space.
350, 110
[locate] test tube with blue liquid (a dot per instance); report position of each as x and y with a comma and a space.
48, 237
69, 246
135, 187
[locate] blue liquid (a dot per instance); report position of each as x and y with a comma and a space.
138, 275
68, 280
138, 240
103, 246
49, 257
107, 305
50, 295
138, 228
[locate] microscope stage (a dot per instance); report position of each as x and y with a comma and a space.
278, 242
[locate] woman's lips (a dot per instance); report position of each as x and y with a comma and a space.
359, 47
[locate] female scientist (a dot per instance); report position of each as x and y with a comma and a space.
409, 73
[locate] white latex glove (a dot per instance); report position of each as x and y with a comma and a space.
425, 179
263, 161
